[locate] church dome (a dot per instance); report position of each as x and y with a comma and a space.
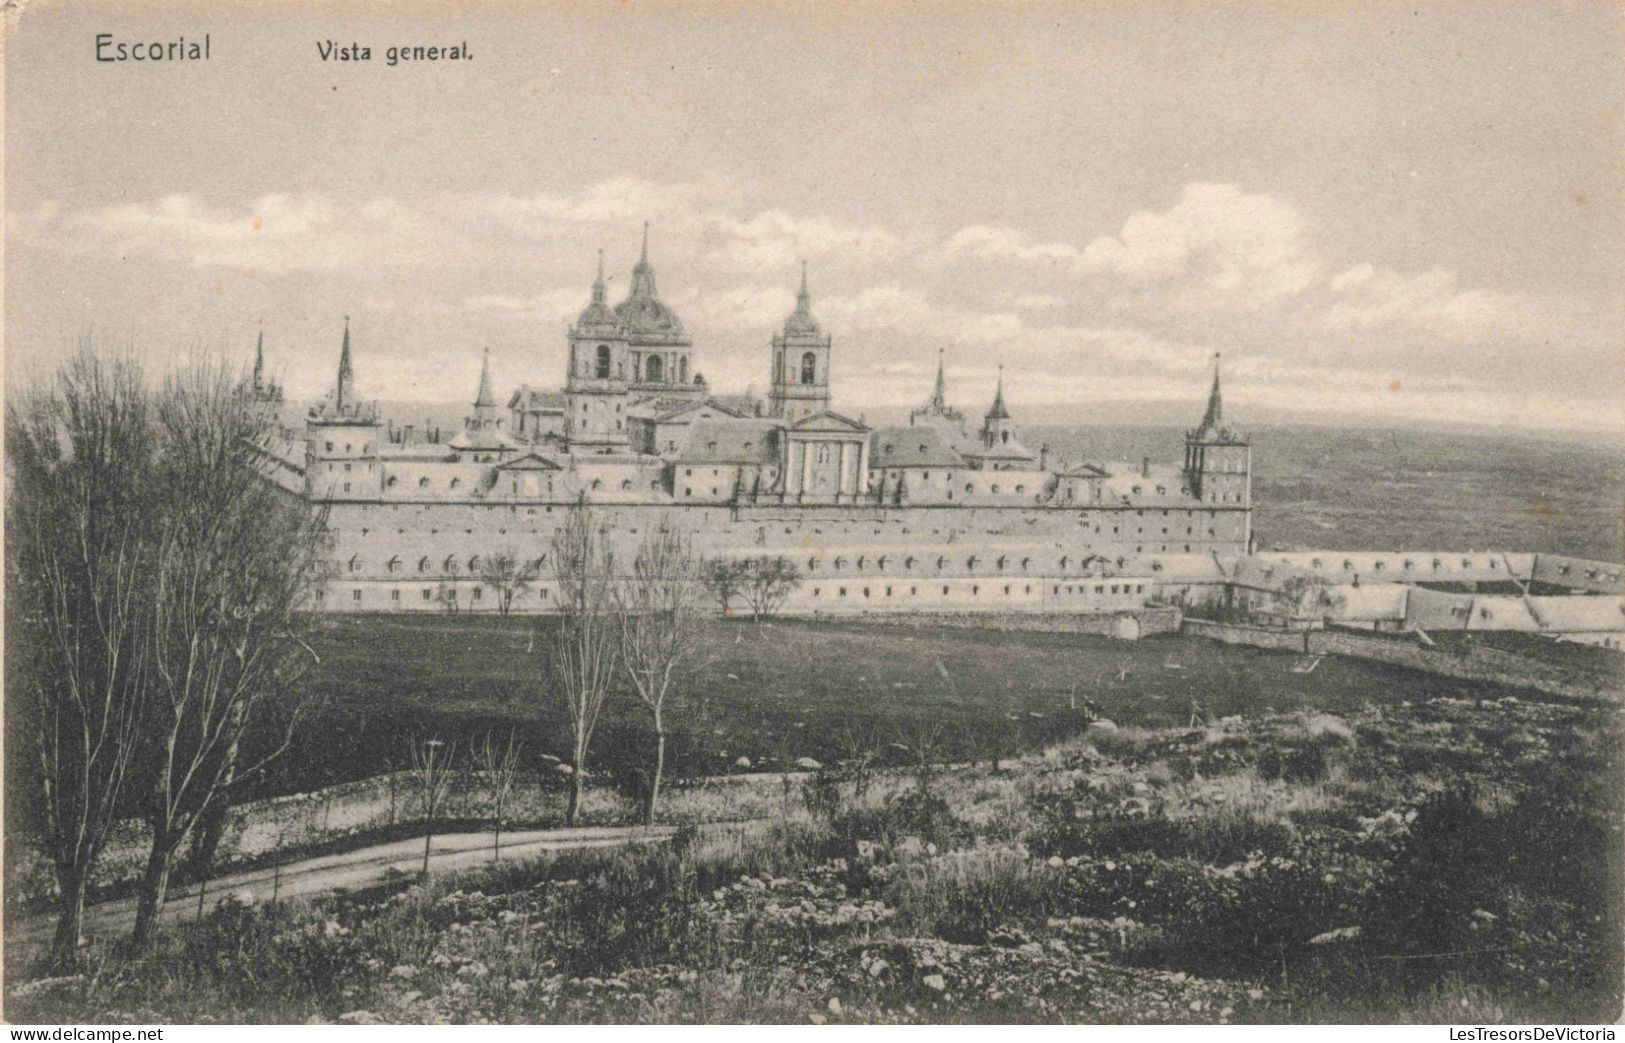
648, 316
643, 313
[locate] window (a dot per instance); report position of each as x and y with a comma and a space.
355, 595
654, 370
603, 363
428, 595
394, 595
809, 368
476, 595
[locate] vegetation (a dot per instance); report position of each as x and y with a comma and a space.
1457, 860
153, 581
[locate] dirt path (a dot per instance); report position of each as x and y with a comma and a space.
351, 869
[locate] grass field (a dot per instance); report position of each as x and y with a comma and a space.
801, 689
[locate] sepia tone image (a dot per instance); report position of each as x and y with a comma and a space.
831, 514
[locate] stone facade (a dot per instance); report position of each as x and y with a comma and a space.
924, 517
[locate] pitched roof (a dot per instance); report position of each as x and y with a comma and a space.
729, 442
827, 421
531, 399
912, 447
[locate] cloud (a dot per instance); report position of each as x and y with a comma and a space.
277, 234
1002, 243
1217, 245
554, 305
775, 239
1372, 296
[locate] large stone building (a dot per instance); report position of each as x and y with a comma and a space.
927, 516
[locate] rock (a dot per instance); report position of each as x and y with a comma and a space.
564, 769
935, 981
743, 762
808, 763
834, 1004
1102, 725
548, 758
878, 968
909, 847
1140, 789
1340, 934
404, 971
360, 1017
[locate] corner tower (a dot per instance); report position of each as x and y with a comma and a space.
801, 356
1219, 459
341, 439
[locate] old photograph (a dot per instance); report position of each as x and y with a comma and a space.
842, 513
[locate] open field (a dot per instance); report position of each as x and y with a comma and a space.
806, 689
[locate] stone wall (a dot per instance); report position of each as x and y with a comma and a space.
1476, 663
1150, 620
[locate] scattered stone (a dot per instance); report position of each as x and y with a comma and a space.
360, 1017
1338, 935
834, 1004
404, 971
743, 762
808, 763
935, 981
1102, 725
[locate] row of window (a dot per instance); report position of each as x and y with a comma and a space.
1009, 589
429, 594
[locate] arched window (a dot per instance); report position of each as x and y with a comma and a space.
823, 453
393, 563
654, 370
423, 482
391, 482
450, 567
626, 485
603, 362
474, 563
809, 368
1004, 436
682, 370
423, 563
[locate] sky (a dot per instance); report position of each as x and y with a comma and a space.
1376, 212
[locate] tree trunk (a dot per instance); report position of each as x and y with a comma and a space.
70, 918
660, 766
428, 835
573, 809
154, 887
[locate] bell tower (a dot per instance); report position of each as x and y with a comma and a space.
1219, 460
801, 355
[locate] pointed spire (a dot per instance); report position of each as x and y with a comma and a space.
259, 359
1213, 419
939, 393
998, 412
598, 283
485, 397
346, 385
803, 298
643, 273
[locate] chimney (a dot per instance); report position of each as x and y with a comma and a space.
1145, 467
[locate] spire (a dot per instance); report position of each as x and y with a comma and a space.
803, 298
346, 385
801, 320
998, 412
939, 393
259, 360
643, 274
485, 398
1213, 419
598, 283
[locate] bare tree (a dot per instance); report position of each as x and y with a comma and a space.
80, 455
768, 584
656, 609
235, 560
578, 659
723, 579
499, 767
508, 577
432, 769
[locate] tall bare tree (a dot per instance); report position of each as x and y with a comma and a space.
78, 577
578, 658
236, 559
508, 577
656, 606
432, 771
498, 765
